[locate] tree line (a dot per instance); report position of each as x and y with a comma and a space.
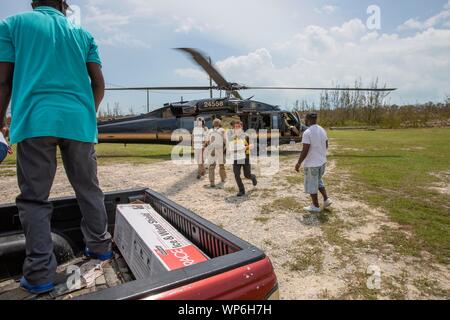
361, 108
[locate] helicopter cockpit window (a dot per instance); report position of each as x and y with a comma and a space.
265, 124
186, 123
157, 113
275, 122
208, 120
167, 113
290, 120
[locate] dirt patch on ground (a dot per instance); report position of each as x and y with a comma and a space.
443, 185
330, 255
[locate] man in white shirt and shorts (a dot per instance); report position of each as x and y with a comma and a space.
199, 133
314, 159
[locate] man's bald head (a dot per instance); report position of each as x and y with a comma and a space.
60, 5
311, 119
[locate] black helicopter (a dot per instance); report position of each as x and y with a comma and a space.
157, 126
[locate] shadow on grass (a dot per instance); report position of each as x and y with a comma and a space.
315, 219
239, 200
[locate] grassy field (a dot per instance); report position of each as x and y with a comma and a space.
396, 170
118, 153
108, 153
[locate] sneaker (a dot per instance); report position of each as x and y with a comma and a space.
241, 194
327, 203
36, 289
254, 181
102, 257
312, 208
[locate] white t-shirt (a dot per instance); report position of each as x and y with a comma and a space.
317, 138
2, 139
199, 136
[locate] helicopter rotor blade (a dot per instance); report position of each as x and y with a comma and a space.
320, 89
160, 88
203, 62
237, 95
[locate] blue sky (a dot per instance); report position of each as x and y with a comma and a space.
271, 42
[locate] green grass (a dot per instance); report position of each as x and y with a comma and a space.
282, 204
262, 219
7, 172
305, 255
137, 154
431, 287
118, 153
395, 168
295, 180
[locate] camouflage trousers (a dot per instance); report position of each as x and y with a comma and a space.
212, 173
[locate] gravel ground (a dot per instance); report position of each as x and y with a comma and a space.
315, 257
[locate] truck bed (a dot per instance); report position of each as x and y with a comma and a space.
232, 259
96, 276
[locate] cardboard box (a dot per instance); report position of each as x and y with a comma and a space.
149, 244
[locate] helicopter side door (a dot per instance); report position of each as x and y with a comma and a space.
275, 125
165, 129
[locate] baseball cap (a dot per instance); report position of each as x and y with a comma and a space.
311, 115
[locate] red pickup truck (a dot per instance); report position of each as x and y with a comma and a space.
236, 269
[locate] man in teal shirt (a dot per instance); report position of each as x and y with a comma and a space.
50, 71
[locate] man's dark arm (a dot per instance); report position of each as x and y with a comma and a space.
302, 156
97, 82
304, 153
6, 78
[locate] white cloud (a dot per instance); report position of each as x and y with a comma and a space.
442, 19
260, 58
106, 20
326, 9
123, 40
411, 24
189, 24
111, 25
352, 29
191, 73
418, 65
233, 21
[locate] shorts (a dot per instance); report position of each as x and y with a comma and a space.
313, 179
